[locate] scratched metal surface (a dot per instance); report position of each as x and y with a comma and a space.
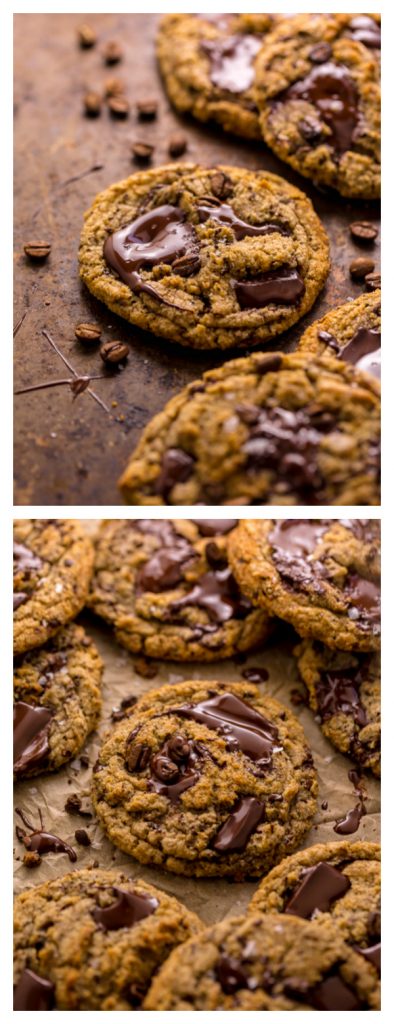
71, 452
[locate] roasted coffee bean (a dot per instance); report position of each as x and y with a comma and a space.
88, 333
320, 53
86, 37
142, 151
92, 104
114, 352
187, 265
137, 757
221, 185
119, 106
37, 250
82, 837
363, 231
177, 145
164, 769
114, 87
372, 281
112, 53
179, 748
360, 267
147, 110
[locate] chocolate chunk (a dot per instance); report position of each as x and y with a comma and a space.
232, 61
364, 601
213, 527
255, 675
24, 559
333, 994
236, 831
337, 692
283, 287
173, 791
372, 954
31, 736
217, 592
227, 217
365, 30
165, 567
176, 467
127, 910
19, 599
33, 992
330, 88
320, 886
243, 726
158, 236
364, 351
230, 975
288, 442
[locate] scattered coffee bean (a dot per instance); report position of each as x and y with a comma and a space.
31, 859
360, 267
363, 231
186, 265
147, 110
86, 37
177, 145
113, 87
221, 185
119, 106
82, 837
89, 333
137, 757
92, 104
112, 53
114, 352
372, 281
142, 151
37, 250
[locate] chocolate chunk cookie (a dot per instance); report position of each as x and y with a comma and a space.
57, 701
322, 575
207, 63
265, 962
317, 82
205, 778
351, 332
166, 587
205, 257
333, 881
53, 561
344, 692
269, 429
92, 940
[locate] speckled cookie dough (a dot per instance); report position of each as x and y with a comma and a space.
344, 692
210, 258
166, 587
207, 64
352, 332
270, 429
338, 882
57, 701
53, 561
322, 575
317, 82
204, 778
265, 962
92, 940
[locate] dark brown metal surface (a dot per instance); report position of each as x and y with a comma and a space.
70, 452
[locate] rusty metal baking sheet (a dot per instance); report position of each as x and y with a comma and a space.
72, 451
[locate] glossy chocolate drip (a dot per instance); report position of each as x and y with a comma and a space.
332, 90
236, 831
365, 30
298, 537
232, 61
372, 954
284, 287
214, 527
243, 727
218, 594
363, 350
176, 467
226, 216
364, 601
350, 823
33, 992
128, 908
45, 842
31, 736
157, 237
338, 691
164, 568
319, 888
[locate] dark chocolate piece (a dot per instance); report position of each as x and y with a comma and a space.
33, 992
232, 61
31, 736
128, 908
158, 236
240, 825
282, 287
225, 215
319, 887
330, 88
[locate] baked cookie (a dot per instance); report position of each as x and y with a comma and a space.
92, 940
331, 881
317, 82
57, 701
169, 592
53, 561
351, 332
344, 692
207, 63
271, 429
205, 778
265, 962
205, 257
322, 575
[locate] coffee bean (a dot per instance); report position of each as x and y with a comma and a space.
86, 37
164, 769
119, 106
114, 352
221, 185
113, 87
147, 110
363, 231
179, 748
372, 281
82, 837
320, 53
92, 104
177, 145
360, 267
187, 265
137, 757
142, 151
88, 333
112, 53
37, 250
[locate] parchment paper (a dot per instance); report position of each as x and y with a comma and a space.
212, 899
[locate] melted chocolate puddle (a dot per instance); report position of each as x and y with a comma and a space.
232, 61
158, 236
330, 88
